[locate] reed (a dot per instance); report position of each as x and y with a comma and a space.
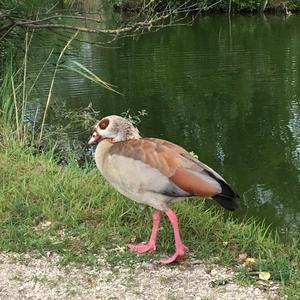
7, 106
16, 90
57, 65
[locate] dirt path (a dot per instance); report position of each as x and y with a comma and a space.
32, 277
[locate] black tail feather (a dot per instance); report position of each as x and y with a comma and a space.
227, 198
228, 203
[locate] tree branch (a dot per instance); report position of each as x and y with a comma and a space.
39, 24
61, 17
84, 29
153, 18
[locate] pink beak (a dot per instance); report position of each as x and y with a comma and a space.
94, 139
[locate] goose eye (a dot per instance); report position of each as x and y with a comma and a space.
104, 123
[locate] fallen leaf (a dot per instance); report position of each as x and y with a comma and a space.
264, 276
249, 261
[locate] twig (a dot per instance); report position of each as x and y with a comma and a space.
76, 28
58, 17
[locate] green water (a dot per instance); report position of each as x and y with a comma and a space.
226, 89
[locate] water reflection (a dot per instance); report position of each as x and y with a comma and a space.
228, 90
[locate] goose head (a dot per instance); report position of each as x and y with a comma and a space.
115, 128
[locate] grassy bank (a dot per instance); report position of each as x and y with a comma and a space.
74, 212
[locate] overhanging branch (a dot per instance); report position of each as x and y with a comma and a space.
152, 19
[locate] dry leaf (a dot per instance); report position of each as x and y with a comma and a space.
264, 276
249, 261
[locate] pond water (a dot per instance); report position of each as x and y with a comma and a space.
226, 89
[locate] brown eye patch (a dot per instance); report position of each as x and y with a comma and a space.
103, 123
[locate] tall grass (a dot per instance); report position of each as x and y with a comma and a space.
14, 98
15, 91
52, 84
7, 109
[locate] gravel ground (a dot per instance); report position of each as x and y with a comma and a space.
30, 276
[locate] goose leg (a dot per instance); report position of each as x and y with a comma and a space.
151, 245
181, 249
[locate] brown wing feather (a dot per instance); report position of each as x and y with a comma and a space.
153, 154
168, 144
195, 183
172, 161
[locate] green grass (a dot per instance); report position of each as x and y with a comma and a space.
6, 99
74, 212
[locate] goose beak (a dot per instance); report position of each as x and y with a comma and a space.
94, 139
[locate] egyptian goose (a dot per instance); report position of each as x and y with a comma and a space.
155, 172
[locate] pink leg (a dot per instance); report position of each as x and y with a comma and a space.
180, 247
151, 245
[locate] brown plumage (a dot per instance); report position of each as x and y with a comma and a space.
155, 172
